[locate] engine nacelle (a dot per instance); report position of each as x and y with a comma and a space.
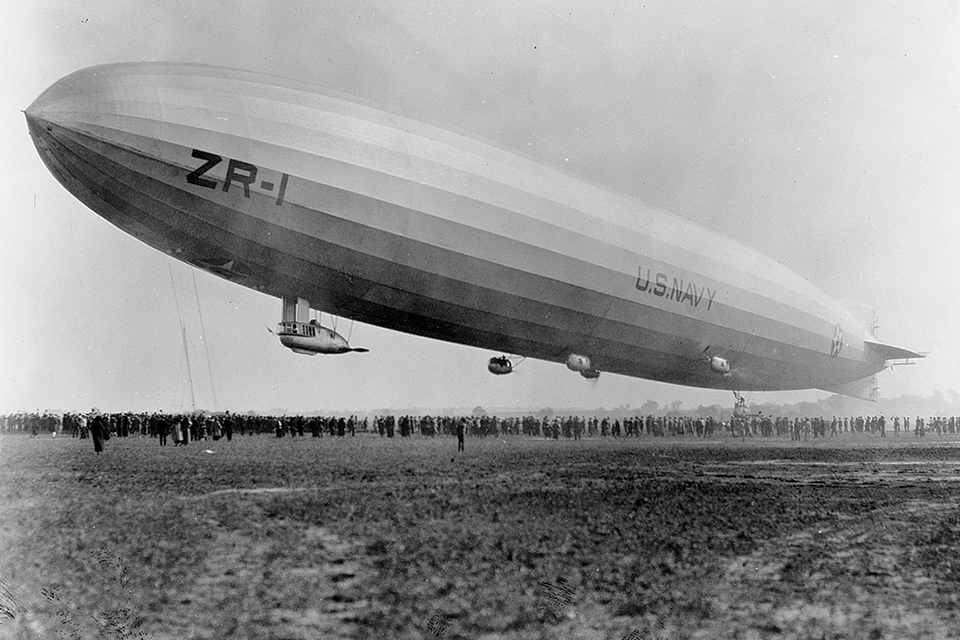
578, 363
310, 338
590, 374
302, 335
719, 365
500, 366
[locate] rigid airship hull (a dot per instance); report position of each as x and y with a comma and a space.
298, 191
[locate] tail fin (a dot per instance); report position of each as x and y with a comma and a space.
868, 320
866, 389
865, 315
890, 352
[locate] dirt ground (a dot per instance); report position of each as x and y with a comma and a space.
515, 539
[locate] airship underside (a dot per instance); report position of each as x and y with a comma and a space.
301, 192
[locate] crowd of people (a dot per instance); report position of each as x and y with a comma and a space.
181, 428
806, 428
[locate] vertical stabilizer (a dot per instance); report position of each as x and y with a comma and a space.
864, 314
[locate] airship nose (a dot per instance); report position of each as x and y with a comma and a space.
49, 139
61, 108
37, 126
43, 132
41, 128
119, 106
65, 100
70, 120
83, 91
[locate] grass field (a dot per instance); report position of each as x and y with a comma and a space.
513, 539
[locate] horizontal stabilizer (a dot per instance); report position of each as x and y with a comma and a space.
890, 352
865, 389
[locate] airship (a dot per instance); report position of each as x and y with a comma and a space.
330, 203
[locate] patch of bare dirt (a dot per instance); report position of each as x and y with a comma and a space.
288, 582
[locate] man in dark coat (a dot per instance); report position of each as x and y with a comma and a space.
96, 432
163, 428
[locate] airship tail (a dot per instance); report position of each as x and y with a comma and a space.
867, 388
862, 313
891, 352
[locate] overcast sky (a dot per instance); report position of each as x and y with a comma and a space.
824, 134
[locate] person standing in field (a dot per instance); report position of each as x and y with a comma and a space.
178, 431
461, 427
96, 432
163, 427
